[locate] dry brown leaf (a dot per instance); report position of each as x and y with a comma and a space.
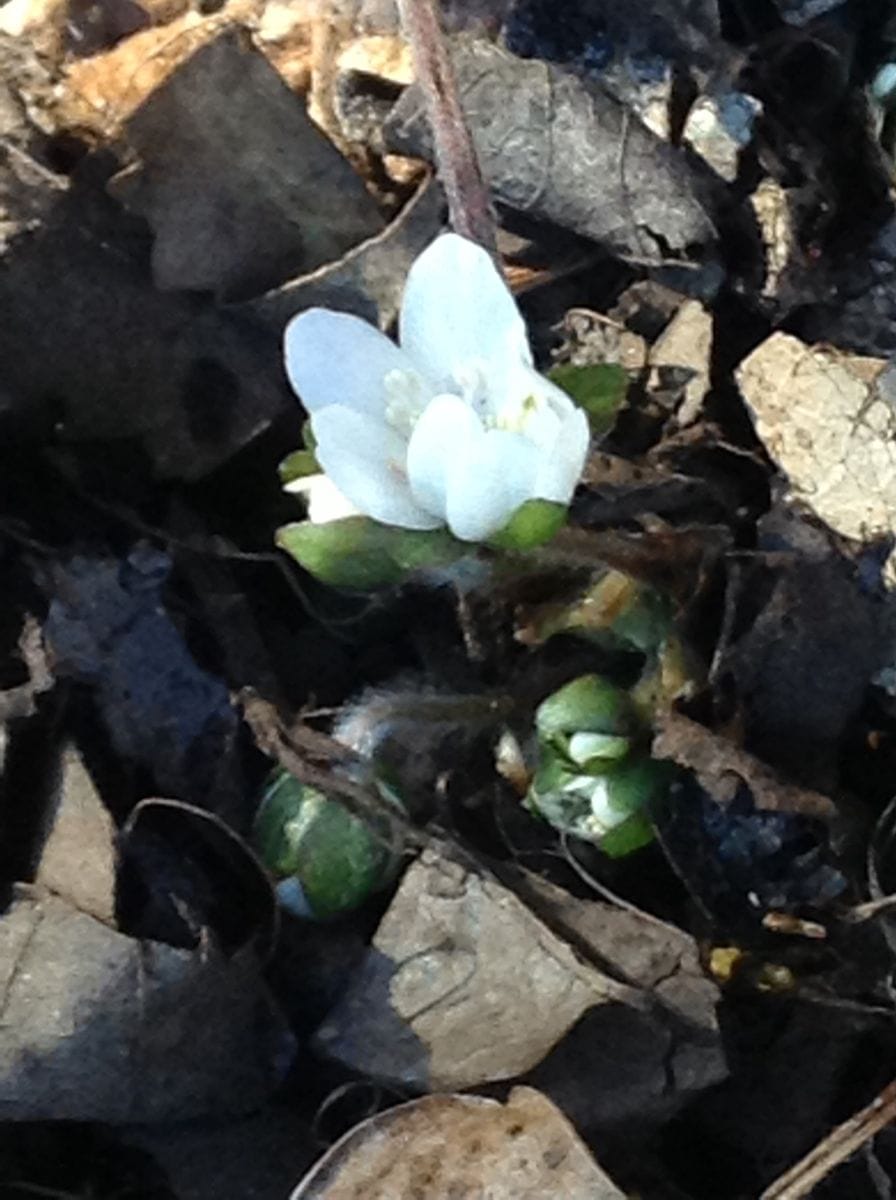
829, 421
463, 1146
721, 767
101, 92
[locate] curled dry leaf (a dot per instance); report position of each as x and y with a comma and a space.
551, 147
442, 1146
369, 280
95, 1023
721, 768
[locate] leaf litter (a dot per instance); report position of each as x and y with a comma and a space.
695, 209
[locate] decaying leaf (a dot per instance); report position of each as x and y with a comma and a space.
95, 1023
370, 279
107, 627
722, 769
462, 985
77, 859
802, 635
551, 147
239, 195
442, 1146
829, 421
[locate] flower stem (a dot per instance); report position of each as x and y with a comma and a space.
468, 199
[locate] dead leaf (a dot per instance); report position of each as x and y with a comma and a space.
96, 1023
240, 195
461, 1146
553, 148
462, 985
828, 419
369, 280
722, 768
102, 91
78, 859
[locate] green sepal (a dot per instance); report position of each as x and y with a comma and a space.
533, 524
589, 704
634, 786
357, 552
298, 465
599, 390
631, 835
309, 441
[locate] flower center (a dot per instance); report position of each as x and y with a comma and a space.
405, 400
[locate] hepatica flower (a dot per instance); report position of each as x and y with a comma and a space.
453, 427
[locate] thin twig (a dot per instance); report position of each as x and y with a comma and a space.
870, 909
835, 1149
458, 167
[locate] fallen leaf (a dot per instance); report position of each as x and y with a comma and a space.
369, 280
553, 148
77, 860
462, 985
722, 768
442, 1146
239, 195
96, 1023
828, 419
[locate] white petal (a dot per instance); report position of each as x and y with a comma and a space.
325, 501
513, 382
456, 309
488, 484
365, 459
443, 435
335, 358
560, 465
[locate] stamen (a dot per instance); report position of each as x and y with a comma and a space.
404, 400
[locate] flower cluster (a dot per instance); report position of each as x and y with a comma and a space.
455, 427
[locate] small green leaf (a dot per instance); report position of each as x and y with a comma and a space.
298, 465
309, 441
533, 524
599, 390
357, 552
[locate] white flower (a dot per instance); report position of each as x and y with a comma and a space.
456, 427
325, 501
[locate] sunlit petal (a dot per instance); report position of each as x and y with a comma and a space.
335, 358
457, 309
324, 499
560, 465
444, 435
489, 483
365, 459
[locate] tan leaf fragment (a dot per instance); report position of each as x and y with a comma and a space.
462, 985
828, 419
463, 1146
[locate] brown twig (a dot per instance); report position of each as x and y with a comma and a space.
835, 1149
456, 161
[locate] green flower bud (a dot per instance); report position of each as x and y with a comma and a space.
326, 860
595, 806
588, 704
